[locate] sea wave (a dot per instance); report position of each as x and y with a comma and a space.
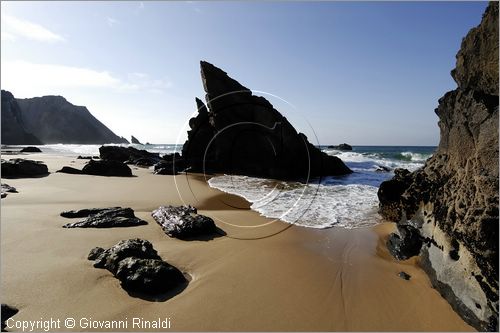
308, 205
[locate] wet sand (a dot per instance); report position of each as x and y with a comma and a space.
263, 275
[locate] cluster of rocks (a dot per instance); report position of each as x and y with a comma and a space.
138, 267
239, 133
447, 212
183, 222
7, 189
103, 218
21, 168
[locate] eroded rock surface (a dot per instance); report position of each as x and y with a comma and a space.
239, 133
103, 218
451, 204
138, 266
183, 222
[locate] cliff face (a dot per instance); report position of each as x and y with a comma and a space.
239, 133
448, 211
14, 131
53, 119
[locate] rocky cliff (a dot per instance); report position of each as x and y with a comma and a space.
239, 133
13, 128
447, 212
52, 119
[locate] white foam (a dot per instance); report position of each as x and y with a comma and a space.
313, 205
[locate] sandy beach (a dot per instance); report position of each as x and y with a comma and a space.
262, 275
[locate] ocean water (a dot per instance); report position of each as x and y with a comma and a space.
347, 201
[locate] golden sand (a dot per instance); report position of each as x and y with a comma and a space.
264, 275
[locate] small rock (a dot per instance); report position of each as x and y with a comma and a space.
70, 170
138, 266
104, 218
31, 150
381, 168
7, 312
404, 275
342, 146
183, 222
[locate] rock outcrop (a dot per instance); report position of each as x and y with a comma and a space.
52, 119
21, 168
450, 206
133, 139
138, 266
342, 146
183, 222
112, 217
239, 133
14, 130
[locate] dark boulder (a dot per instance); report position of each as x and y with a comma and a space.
183, 222
31, 150
70, 170
21, 168
7, 312
406, 244
239, 133
124, 154
138, 267
107, 168
104, 218
342, 146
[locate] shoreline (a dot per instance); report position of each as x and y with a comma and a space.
299, 279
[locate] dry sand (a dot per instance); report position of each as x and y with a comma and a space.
274, 277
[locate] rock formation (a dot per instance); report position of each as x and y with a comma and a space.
170, 164
133, 139
31, 150
103, 218
183, 222
342, 146
138, 266
14, 130
239, 133
51, 119
21, 168
450, 206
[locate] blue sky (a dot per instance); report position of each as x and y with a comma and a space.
359, 72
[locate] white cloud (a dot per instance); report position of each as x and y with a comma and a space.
111, 21
13, 28
31, 79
